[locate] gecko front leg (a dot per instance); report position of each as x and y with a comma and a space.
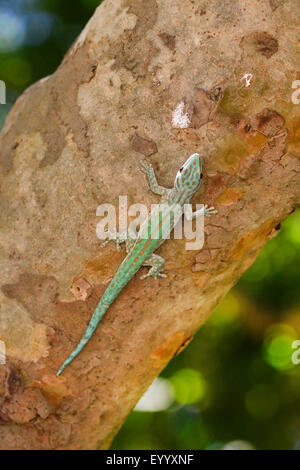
119, 238
147, 168
206, 211
156, 264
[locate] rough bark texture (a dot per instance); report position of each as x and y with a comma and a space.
155, 79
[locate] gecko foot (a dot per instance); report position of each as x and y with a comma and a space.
153, 272
146, 167
208, 211
156, 263
119, 238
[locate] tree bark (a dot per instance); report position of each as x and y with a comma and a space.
155, 79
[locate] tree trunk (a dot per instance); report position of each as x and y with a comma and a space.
154, 79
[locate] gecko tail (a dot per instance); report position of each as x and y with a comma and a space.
120, 280
95, 320
61, 369
75, 353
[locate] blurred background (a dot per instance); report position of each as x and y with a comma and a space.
235, 386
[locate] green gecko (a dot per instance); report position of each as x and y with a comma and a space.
153, 232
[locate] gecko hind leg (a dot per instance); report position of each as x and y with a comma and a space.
156, 264
119, 238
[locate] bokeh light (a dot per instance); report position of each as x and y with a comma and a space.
293, 229
189, 386
38, 27
17, 71
227, 311
158, 397
12, 30
278, 346
238, 445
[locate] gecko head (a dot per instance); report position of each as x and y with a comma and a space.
189, 176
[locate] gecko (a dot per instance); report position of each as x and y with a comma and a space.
154, 230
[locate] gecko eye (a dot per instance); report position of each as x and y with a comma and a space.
201, 176
181, 169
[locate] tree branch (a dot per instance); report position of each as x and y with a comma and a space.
156, 79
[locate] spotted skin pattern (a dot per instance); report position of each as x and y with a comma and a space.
153, 232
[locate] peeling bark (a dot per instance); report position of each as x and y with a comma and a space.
74, 141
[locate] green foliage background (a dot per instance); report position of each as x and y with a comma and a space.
235, 381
